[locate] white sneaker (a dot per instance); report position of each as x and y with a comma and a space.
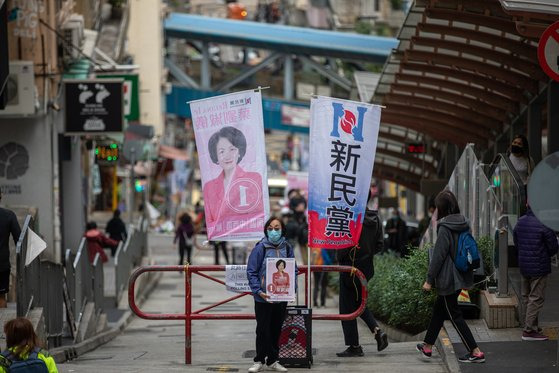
277, 367
256, 367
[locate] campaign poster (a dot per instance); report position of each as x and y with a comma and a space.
343, 142
280, 279
229, 131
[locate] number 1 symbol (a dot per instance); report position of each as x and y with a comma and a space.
243, 196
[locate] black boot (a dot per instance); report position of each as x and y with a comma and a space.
382, 340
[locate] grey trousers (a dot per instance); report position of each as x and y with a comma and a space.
533, 296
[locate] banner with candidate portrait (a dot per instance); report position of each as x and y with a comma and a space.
229, 131
343, 142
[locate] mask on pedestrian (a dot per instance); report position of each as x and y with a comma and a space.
515, 149
274, 236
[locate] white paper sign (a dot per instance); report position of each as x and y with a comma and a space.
236, 278
35, 246
280, 279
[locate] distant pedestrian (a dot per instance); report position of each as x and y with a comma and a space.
519, 155
220, 246
184, 235
320, 278
536, 244
116, 229
96, 242
8, 225
23, 352
448, 280
269, 315
397, 233
360, 257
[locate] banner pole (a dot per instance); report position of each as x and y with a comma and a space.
309, 276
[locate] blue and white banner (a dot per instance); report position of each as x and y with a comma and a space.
343, 143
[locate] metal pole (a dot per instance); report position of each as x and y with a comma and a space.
205, 78
308, 290
188, 320
288, 78
132, 187
503, 284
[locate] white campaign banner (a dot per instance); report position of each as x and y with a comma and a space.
343, 143
229, 132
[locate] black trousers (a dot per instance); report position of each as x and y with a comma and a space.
269, 319
182, 249
223, 247
446, 307
320, 285
350, 299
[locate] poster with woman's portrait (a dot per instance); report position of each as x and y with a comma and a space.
229, 134
280, 279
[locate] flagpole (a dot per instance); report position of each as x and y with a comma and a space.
309, 276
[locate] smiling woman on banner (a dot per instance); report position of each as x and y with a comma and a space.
269, 315
234, 191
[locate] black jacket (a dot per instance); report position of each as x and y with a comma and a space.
116, 229
8, 225
370, 242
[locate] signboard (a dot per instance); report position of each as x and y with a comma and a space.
131, 95
343, 144
93, 106
548, 51
280, 279
229, 132
416, 148
236, 278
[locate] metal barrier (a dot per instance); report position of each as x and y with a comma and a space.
31, 295
190, 315
82, 274
98, 283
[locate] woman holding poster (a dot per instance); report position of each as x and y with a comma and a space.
269, 316
234, 191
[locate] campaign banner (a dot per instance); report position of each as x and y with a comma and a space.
229, 131
236, 279
280, 279
343, 142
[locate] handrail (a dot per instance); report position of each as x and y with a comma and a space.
190, 315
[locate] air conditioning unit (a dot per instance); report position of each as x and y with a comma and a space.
20, 89
72, 30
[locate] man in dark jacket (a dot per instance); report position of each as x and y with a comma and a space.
360, 257
536, 244
8, 225
116, 229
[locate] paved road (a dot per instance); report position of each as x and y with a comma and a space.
158, 346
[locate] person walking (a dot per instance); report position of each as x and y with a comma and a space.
397, 233
184, 234
320, 278
360, 257
536, 244
448, 280
96, 242
23, 349
269, 316
116, 229
8, 226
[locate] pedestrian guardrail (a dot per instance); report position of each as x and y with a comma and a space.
31, 290
189, 315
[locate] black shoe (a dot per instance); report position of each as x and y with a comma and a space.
382, 340
351, 352
421, 348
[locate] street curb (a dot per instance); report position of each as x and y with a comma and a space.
66, 353
446, 350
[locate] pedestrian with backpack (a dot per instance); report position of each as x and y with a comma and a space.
23, 353
444, 274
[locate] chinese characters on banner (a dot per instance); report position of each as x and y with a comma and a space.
280, 279
229, 134
343, 140
236, 278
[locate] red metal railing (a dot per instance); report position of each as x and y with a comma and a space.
190, 315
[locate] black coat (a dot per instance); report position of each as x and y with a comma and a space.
370, 242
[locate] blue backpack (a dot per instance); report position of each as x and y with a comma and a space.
467, 254
30, 365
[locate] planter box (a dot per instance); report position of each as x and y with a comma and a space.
498, 312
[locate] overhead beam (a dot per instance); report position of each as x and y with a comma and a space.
225, 86
327, 73
180, 75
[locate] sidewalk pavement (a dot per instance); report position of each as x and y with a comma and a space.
226, 345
